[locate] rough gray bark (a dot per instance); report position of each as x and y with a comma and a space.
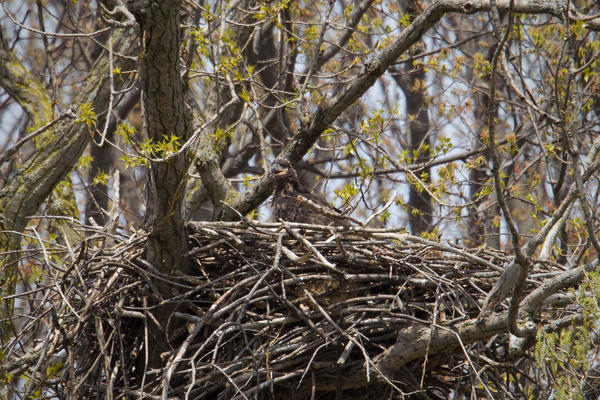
164, 117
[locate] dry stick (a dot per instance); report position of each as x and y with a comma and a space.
546, 250
42, 355
129, 17
85, 376
146, 348
275, 380
183, 348
176, 358
439, 246
433, 324
591, 166
45, 253
263, 277
310, 361
588, 213
290, 347
368, 361
464, 349
61, 35
381, 210
102, 344
322, 260
325, 211
228, 378
112, 92
113, 214
49, 58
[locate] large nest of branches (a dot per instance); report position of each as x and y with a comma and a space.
270, 311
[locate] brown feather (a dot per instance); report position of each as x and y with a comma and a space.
288, 204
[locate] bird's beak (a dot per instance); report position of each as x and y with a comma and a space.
279, 172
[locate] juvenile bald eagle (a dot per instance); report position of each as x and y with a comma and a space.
290, 200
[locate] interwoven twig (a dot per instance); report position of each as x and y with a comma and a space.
270, 307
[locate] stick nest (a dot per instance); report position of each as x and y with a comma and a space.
275, 310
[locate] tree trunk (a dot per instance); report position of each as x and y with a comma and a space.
165, 123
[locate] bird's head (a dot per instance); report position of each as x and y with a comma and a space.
280, 167
283, 172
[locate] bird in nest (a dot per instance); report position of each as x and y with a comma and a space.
292, 202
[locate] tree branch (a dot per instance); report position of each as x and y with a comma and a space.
22, 86
310, 132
